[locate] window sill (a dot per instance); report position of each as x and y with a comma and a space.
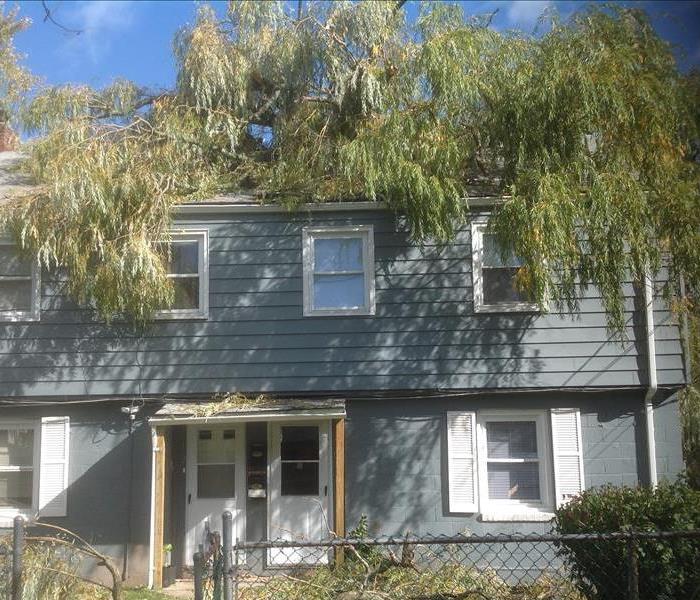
180, 316
507, 308
19, 318
7, 516
523, 515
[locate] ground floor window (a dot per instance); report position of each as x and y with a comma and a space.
513, 465
17, 466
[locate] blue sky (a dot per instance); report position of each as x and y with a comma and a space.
133, 38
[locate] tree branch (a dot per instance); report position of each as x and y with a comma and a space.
48, 16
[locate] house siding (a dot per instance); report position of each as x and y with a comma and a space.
425, 334
396, 456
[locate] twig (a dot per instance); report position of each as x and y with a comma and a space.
48, 16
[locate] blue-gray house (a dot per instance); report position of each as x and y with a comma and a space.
317, 366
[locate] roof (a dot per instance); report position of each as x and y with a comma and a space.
256, 409
11, 180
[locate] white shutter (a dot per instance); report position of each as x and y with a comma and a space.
461, 461
53, 472
567, 451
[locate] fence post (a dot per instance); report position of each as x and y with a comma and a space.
198, 576
227, 532
235, 571
17, 547
632, 569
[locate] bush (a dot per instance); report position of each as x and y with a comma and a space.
667, 568
50, 573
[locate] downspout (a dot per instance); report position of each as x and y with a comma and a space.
653, 382
152, 532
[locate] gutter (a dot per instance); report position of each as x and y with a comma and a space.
242, 204
653, 381
152, 531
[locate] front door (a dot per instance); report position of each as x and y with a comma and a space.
215, 483
299, 489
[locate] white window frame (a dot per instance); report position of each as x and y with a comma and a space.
309, 235
202, 312
478, 229
516, 510
8, 513
24, 315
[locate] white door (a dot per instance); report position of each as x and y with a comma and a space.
215, 483
300, 490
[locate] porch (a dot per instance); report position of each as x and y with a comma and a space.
277, 466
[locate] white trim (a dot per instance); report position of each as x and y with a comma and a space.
653, 379
478, 228
233, 204
8, 513
152, 528
201, 236
35, 301
562, 497
366, 234
259, 416
515, 510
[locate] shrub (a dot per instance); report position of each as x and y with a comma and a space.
667, 567
50, 573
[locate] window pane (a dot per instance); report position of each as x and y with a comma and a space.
499, 286
216, 481
214, 447
186, 292
339, 291
338, 254
511, 439
492, 254
299, 479
15, 295
518, 481
16, 447
184, 257
299, 443
12, 264
16, 489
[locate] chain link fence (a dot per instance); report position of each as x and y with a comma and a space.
611, 566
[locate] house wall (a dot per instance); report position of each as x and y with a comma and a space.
396, 455
109, 483
425, 334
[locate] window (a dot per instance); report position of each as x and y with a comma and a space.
188, 269
17, 469
216, 463
495, 288
19, 285
514, 463
338, 271
299, 457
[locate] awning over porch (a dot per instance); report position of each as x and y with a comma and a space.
191, 413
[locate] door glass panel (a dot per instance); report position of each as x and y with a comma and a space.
214, 447
299, 443
216, 481
300, 479
16, 489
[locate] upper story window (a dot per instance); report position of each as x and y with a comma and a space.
188, 269
495, 288
338, 271
19, 285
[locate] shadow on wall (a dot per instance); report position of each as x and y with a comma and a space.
109, 484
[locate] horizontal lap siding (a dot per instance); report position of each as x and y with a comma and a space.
424, 334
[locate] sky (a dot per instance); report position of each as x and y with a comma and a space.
132, 39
